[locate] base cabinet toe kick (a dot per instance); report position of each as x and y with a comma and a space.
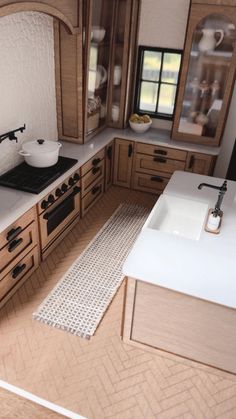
162, 319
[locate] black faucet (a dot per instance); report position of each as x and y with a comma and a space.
222, 189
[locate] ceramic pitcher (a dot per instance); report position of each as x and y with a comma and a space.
208, 41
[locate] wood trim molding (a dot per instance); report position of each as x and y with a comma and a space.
38, 7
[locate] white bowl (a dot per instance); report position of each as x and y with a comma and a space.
98, 33
140, 128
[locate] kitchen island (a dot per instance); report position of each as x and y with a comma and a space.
181, 292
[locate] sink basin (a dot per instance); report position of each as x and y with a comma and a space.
178, 216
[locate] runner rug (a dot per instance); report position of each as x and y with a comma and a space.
81, 298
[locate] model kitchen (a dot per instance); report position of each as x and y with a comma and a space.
118, 209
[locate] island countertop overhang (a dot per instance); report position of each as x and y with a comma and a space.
203, 268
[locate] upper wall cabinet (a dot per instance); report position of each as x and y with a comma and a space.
110, 33
207, 76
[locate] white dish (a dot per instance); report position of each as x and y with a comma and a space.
98, 33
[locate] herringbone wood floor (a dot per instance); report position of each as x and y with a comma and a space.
102, 378
16, 407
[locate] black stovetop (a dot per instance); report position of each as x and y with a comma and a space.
33, 179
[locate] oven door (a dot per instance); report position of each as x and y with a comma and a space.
59, 215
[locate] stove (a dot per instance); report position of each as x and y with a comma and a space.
33, 179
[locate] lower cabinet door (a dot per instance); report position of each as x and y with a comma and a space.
21, 271
150, 183
92, 197
203, 164
123, 162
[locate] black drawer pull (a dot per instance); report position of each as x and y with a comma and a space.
96, 161
109, 152
13, 245
13, 233
95, 170
162, 152
96, 189
17, 271
130, 150
191, 162
159, 159
157, 179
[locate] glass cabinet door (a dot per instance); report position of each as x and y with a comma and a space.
206, 81
98, 62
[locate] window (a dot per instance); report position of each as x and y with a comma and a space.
157, 80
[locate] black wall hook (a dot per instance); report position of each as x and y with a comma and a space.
11, 134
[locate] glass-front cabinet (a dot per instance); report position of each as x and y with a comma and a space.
207, 75
109, 38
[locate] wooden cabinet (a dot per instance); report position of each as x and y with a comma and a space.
123, 162
92, 182
19, 253
110, 28
203, 164
154, 165
207, 75
180, 324
109, 166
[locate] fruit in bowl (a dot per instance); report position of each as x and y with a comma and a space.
139, 123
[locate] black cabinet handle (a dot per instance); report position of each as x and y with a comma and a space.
17, 271
13, 233
157, 179
109, 152
162, 152
13, 245
95, 170
159, 159
95, 189
130, 150
191, 162
96, 161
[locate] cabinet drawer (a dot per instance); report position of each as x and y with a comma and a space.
16, 228
149, 164
24, 267
150, 183
93, 162
92, 177
155, 150
92, 196
24, 241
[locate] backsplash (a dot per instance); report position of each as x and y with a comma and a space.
27, 82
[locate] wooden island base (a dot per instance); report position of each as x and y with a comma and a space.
196, 329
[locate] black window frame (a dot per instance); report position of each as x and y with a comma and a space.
139, 79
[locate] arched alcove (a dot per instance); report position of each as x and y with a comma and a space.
37, 7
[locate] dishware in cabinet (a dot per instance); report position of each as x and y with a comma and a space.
207, 75
98, 17
122, 61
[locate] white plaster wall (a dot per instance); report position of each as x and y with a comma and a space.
163, 24
227, 141
27, 81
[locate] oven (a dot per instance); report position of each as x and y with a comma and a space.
58, 210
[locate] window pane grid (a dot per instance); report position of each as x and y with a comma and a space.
157, 84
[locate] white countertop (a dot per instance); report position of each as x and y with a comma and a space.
15, 203
203, 268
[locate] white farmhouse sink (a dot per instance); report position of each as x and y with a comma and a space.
178, 216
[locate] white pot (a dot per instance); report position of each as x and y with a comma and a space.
40, 153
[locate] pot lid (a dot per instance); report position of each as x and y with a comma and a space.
40, 146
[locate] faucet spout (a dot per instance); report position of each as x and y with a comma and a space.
222, 189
